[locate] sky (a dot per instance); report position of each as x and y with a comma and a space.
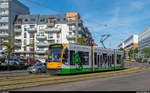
120, 18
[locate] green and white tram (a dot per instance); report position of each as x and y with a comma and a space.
72, 58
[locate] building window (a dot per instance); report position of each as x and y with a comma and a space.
25, 35
31, 35
42, 20
70, 19
32, 26
50, 35
70, 27
26, 20
58, 19
64, 19
70, 33
31, 41
25, 42
32, 19
58, 36
51, 20
25, 49
41, 27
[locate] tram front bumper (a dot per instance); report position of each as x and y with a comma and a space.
54, 71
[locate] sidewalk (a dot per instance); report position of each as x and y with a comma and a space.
13, 71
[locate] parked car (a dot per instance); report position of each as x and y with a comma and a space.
31, 61
144, 60
14, 61
148, 60
37, 68
3, 54
132, 60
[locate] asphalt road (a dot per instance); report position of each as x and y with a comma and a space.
132, 82
24, 72
13, 73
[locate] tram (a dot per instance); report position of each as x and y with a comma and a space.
73, 58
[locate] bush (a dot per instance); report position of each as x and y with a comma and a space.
4, 68
2, 59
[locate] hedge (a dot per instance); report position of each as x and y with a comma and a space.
2, 59
4, 68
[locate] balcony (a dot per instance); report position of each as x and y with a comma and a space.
4, 6
4, 34
75, 29
39, 37
18, 37
72, 37
51, 25
3, 14
30, 30
17, 30
42, 44
71, 22
17, 43
52, 30
4, 20
40, 51
4, 27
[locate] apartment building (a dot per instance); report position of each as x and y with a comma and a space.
121, 46
144, 40
8, 11
129, 43
42, 30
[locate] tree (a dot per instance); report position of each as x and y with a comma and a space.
130, 53
9, 48
146, 52
122, 49
82, 41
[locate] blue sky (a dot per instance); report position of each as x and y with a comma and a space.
120, 18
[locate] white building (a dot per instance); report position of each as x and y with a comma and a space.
121, 45
8, 10
144, 40
130, 43
43, 30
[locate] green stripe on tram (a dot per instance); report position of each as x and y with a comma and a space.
76, 70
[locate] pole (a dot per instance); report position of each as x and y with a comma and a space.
76, 32
33, 47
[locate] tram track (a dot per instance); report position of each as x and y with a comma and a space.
30, 81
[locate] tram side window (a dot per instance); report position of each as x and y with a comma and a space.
109, 60
72, 55
105, 60
65, 57
118, 59
101, 59
95, 58
98, 58
113, 59
84, 57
